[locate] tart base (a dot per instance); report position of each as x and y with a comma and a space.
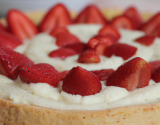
17, 114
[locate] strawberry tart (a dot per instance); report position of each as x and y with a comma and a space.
79, 71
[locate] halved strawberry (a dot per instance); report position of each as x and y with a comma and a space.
146, 40
58, 30
134, 15
9, 40
103, 74
2, 27
108, 39
91, 14
131, 75
82, 82
88, 56
120, 49
123, 22
154, 65
156, 32
78, 47
10, 61
57, 16
109, 30
150, 26
39, 73
92, 43
100, 48
63, 74
62, 53
156, 75
20, 25
63, 39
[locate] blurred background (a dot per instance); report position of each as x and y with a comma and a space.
77, 5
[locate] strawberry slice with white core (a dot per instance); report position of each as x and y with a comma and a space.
39, 73
57, 16
120, 49
133, 74
91, 15
82, 82
20, 25
10, 61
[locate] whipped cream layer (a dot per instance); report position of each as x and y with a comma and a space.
42, 94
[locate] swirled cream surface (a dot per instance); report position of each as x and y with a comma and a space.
42, 94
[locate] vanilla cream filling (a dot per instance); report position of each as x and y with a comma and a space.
42, 94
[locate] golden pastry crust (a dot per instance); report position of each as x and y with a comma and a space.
18, 114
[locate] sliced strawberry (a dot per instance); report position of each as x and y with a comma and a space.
82, 82
156, 32
63, 74
134, 15
39, 73
91, 14
10, 61
2, 28
100, 48
154, 65
131, 75
20, 25
156, 75
120, 49
92, 43
123, 22
64, 39
9, 40
62, 53
88, 56
150, 26
103, 74
78, 47
58, 30
57, 16
145, 40
109, 30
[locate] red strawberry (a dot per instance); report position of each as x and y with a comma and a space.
91, 14
120, 49
146, 40
78, 47
9, 40
154, 65
57, 16
92, 43
64, 39
10, 61
103, 74
123, 22
88, 56
63, 75
109, 30
62, 53
108, 39
20, 25
156, 32
58, 30
156, 75
150, 26
82, 82
135, 16
100, 48
2, 27
39, 73
131, 75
